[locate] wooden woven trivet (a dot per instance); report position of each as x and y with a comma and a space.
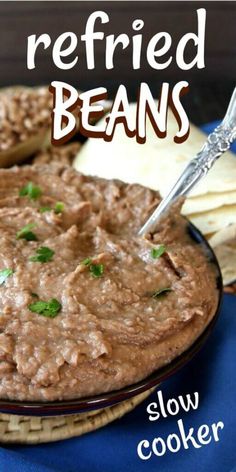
35, 430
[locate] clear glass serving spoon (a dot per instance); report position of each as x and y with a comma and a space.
217, 143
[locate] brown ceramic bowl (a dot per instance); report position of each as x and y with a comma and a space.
111, 398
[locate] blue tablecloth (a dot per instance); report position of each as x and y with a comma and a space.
114, 448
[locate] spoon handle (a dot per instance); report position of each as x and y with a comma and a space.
216, 144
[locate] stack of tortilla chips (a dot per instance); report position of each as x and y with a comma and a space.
157, 164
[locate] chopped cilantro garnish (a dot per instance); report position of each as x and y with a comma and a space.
26, 233
162, 291
86, 261
96, 270
157, 252
49, 309
43, 254
44, 209
4, 274
30, 190
59, 207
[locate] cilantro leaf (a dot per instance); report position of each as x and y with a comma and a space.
59, 207
162, 291
49, 309
157, 252
43, 254
26, 233
96, 270
44, 209
86, 261
30, 190
4, 274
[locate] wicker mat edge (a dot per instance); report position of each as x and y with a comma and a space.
35, 430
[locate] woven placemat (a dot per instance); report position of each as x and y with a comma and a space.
35, 430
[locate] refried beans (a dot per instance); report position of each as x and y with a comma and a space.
87, 306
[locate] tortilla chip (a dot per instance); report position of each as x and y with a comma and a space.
226, 254
223, 236
214, 220
157, 163
207, 202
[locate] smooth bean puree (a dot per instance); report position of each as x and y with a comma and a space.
86, 305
